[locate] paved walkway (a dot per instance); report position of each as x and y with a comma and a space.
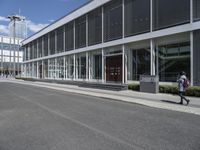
163, 101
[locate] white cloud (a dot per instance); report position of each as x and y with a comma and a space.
35, 27
4, 19
4, 29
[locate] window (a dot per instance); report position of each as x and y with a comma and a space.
40, 51
60, 39
196, 56
172, 59
80, 32
95, 27
52, 43
137, 16
69, 36
168, 13
35, 49
45, 39
113, 20
196, 10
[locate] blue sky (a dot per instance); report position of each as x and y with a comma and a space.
38, 13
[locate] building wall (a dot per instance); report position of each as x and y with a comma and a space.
10, 51
147, 34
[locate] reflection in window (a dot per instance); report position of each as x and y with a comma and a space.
113, 20
60, 40
140, 63
172, 59
95, 27
80, 32
69, 36
70, 67
52, 43
170, 12
137, 16
81, 66
45, 38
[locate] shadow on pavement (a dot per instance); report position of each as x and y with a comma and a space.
172, 102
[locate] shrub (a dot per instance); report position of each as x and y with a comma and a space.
171, 89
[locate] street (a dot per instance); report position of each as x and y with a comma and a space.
35, 118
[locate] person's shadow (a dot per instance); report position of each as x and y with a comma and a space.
171, 102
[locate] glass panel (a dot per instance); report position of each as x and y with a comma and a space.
81, 66
168, 13
70, 67
51, 69
40, 51
137, 16
173, 59
80, 32
196, 11
95, 26
196, 56
60, 40
45, 67
113, 20
96, 65
60, 67
45, 40
52, 43
69, 36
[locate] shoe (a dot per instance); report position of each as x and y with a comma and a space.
188, 101
181, 103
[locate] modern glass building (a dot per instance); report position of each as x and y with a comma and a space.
20, 28
117, 41
10, 52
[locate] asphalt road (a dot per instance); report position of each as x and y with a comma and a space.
33, 118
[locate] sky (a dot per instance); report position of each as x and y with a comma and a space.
38, 13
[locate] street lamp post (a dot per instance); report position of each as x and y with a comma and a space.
14, 18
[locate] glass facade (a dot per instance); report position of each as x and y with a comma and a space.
136, 21
69, 61
196, 10
60, 67
95, 27
113, 20
40, 50
169, 13
172, 59
80, 27
196, 56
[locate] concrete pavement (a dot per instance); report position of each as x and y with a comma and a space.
38, 118
163, 101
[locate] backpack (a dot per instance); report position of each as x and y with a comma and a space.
186, 83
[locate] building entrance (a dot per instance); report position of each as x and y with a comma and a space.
114, 69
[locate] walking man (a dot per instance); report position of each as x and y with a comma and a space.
183, 83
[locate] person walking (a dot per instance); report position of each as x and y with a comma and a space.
183, 84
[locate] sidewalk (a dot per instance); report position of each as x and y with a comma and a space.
162, 101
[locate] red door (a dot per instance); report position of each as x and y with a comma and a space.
114, 68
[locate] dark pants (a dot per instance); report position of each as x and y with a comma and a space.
181, 94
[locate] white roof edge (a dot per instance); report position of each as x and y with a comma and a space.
75, 14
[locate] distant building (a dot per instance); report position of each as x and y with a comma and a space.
20, 28
7, 59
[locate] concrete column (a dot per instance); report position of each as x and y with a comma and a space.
75, 76
123, 20
37, 71
1, 48
123, 64
87, 66
151, 15
64, 66
103, 67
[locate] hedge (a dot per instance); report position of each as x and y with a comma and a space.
171, 89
